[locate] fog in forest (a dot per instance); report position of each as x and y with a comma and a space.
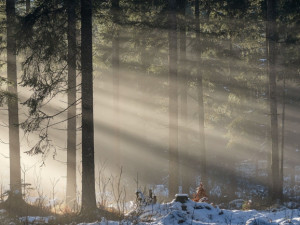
131, 112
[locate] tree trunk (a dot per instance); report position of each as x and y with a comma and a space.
232, 173
71, 136
13, 114
202, 149
271, 48
185, 171
282, 140
173, 101
116, 80
27, 6
88, 164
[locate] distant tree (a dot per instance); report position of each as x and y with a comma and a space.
202, 150
288, 52
282, 137
88, 165
271, 35
183, 75
13, 111
173, 100
71, 123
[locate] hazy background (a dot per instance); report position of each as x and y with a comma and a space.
237, 120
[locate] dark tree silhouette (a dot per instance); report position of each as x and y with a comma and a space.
271, 53
88, 164
27, 6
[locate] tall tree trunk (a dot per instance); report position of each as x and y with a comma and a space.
232, 174
13, 114
271, 45
88, 164
185, 171
282, 139
173, 101
202, 149
71, 136
27, 6
116, 79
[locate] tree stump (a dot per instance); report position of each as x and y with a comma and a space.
182, 198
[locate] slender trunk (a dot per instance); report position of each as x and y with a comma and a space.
202, 149
293, 179
185, 172
173, 101
13, 114
88, 163
232, 175
27, 6
71, 136
116, 80
282, 140
271, 45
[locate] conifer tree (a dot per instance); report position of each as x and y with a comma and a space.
71, 123
13, 110
271, 53
88, 204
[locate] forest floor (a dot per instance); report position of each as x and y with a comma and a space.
182, 213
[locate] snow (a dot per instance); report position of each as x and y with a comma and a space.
216, 191
103, 222
236, 204
203, 213
190, 212
160, 190
36, 219
262, 60
181, 195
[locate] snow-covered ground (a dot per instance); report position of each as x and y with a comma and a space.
192, 213
203, 213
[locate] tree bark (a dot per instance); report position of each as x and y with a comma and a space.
88, 164
173, 101
71, 124
202, 149
27, 6
282, 140
271, 48
13, 114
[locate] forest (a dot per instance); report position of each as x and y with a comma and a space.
149, 112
